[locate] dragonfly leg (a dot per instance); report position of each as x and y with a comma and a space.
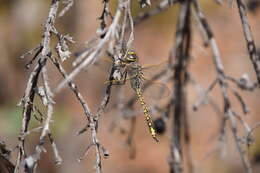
123, 81
118, 82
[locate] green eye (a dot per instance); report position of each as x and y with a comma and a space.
131, 56
131, 53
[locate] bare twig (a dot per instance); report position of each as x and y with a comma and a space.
221, 77
116, 39
255, 59
68, 4
92, 121
92, 57
44, 52
162, 6
181, 53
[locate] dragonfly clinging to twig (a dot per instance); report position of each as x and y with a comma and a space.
133, 71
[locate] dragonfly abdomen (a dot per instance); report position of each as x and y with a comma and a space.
147, 115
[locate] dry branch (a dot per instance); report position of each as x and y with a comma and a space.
116, 39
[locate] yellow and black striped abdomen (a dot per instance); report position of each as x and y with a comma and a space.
147, 115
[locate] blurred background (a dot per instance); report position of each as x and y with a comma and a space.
21, 29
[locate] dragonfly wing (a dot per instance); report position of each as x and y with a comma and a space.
150, 71
155, 90
154, 86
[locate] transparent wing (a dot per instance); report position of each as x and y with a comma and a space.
154, 85
155, 90
101, 66
152, 70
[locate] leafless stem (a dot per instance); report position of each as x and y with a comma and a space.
116, 38
221, 77
68, 5
43, 52
181, 53
92, 121
255, 59
162, 6
92, 57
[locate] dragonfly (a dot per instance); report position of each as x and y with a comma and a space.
133, 72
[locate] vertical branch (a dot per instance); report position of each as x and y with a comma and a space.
106, 98
187, 140
181, 55
244, 158
31, 161
29, 94
27, 109
221, 79
255, 59
92, 121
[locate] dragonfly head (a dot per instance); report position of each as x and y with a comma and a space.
131, 57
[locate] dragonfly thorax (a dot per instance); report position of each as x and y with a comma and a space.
136, 75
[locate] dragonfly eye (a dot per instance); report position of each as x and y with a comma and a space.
131, 57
